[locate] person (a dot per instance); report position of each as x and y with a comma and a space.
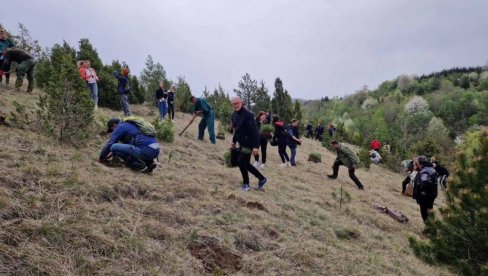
5, 43
171, 103
331, 130
25, 66
200, 106
442, 172
90, 76
425, 186
387, 147
293, 141
319, 132
161, 97
123, 88
346, 157
309, 130
410, 169
263, 140
246, 133
375, 157
281, 138
375, 145
128, 142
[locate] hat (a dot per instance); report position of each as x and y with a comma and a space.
111, 123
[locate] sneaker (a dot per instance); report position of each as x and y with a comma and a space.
150, 168
256, 164
245, 187
283, 165
331, 176
262, 166
262, 183
288, 164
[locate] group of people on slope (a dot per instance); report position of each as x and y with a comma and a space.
319, 131
375, 148
89, 75
166, 101
424, 176
25, 61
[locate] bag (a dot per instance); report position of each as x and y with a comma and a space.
144, 127
409, 190
274, 141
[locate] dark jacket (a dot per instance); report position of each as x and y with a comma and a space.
171, 97
245, 129
14, 55
203, 106
320, 130
122, 133
425, 184
293, 131
347, 156
122, 82
441, 170
161, 94
280, 133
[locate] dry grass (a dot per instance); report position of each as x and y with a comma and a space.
63, 213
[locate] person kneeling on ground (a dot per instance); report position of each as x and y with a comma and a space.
425, 186
246, 133
375, 157
128, 142
346, 157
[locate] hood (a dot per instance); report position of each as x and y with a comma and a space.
280, 123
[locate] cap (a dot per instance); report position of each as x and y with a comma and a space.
111, 123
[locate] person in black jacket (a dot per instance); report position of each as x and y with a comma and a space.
161, 96
442, 172
425, 186
319, 133
293, 140
171, 103
309, 130
281, 138
263, 140
246, 133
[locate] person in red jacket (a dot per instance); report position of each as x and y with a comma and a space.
375, 145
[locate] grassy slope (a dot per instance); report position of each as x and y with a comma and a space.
63, 213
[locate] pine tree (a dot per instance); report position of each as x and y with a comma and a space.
65, 111
87, 52
206, 93
136, 95
460, 237
262, 100
297, 111
247, 90
282, 105
182, 96
25, 41
151, 76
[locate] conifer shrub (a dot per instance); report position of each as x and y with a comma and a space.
164, 130
315, 157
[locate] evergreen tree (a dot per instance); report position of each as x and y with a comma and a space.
297, 111
206, 93
460, 237
107, 86
65, 111
136, 95
282, 105
182, 96
247, 90
262, 100
151, 76
25, 41
87, 52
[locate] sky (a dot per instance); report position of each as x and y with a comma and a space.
317, 47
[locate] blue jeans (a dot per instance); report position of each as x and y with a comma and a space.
132, 154
93, 92
124, 102
207, 122
293, 155
162, 109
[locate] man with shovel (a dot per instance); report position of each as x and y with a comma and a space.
202, 107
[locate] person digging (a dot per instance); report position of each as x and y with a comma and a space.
345, 157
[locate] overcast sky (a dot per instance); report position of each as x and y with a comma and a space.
317, 47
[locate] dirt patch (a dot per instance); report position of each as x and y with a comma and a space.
215, 258
248, 204
347, 234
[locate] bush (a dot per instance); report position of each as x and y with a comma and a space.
363, 156
315, 157
428, 148
164, 130
392, 161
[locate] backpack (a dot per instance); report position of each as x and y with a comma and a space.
144, 127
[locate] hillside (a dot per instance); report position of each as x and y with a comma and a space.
64, 213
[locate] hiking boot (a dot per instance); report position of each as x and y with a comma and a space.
261, 183
150, 168
331, 176
245, 187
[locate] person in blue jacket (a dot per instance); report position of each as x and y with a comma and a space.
123, 88
293, 140
200, 106
246, 133
130, 144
